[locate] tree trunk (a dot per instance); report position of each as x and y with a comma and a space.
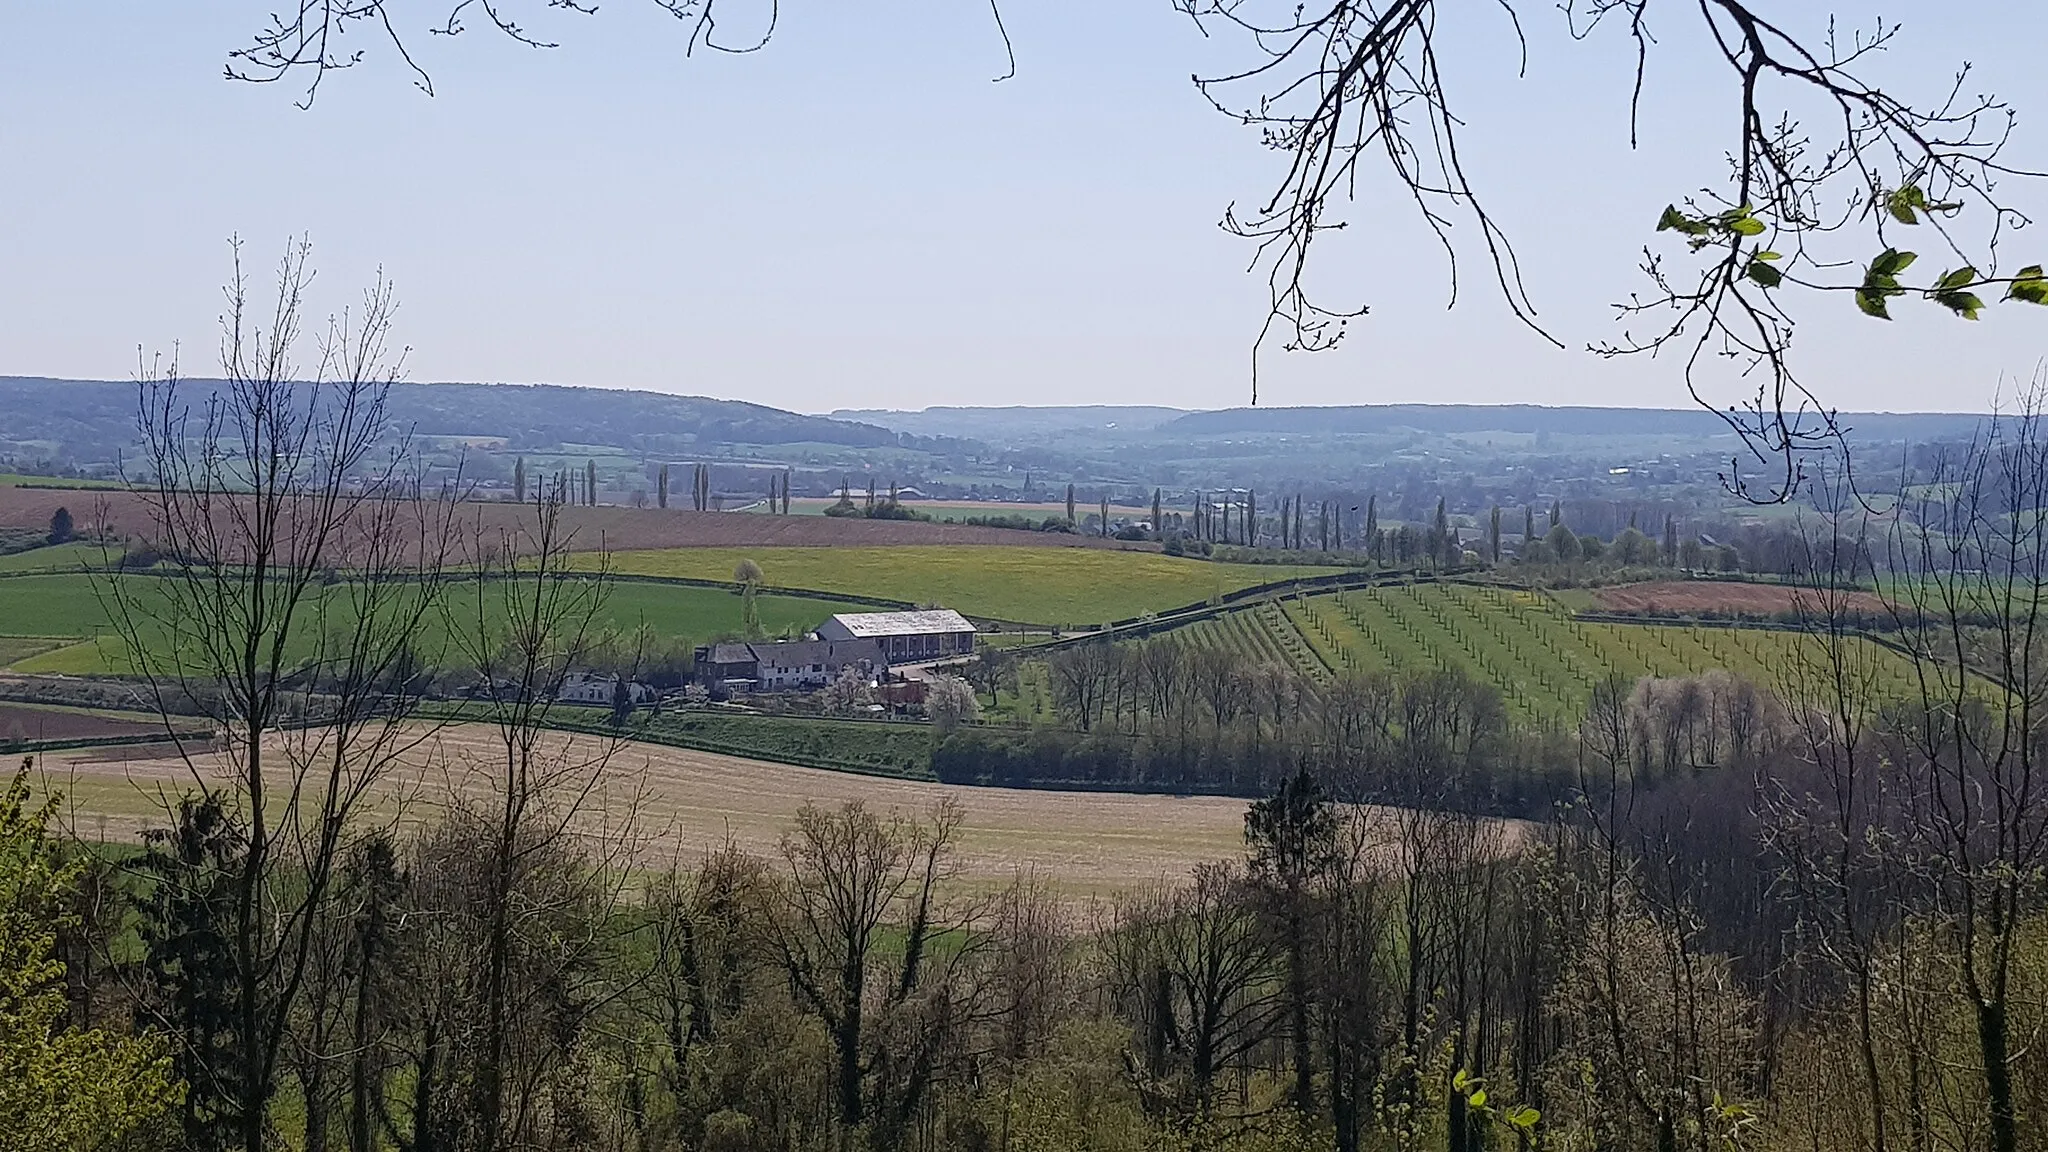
1993, 1040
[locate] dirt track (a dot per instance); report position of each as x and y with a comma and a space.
1693, 597
617, 529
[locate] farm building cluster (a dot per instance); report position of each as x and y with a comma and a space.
871, 643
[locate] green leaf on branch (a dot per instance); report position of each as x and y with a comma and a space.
2029, 287
1902, 204
1524, 1117
1871, 302
1746, 226
1891, 262
1763, 274
1767, 255
1964, 304
1958, 278
1478, 1099
1675, 221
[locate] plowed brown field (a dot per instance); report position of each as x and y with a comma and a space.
1692, 597
36, 722
617, 529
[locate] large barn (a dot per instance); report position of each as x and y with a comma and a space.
906, 637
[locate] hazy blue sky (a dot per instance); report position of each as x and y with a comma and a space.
858, 217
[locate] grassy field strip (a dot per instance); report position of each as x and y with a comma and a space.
54, 558
13, 648
69, 606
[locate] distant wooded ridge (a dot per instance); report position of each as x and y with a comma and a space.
525, 415
528, 416
1361, 419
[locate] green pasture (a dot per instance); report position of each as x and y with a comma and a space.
36, 609
54, 558
1039, 585
1544, 661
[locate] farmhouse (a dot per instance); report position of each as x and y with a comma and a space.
905, 637
598, 688
731, 665
785, 665
802, 664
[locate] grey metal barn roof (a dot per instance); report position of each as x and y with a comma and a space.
920, 623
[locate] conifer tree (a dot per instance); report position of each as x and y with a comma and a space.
1158, 518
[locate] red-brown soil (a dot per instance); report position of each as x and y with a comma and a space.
30, 722
617, 529
1723, 597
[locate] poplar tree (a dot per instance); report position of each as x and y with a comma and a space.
661, 488
1158, 517
590, 483
1070, 505
519, 479
1493, 536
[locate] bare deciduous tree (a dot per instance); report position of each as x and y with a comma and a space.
300, 564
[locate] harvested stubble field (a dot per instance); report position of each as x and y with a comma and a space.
1086, 843
595, 529
1723, 597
